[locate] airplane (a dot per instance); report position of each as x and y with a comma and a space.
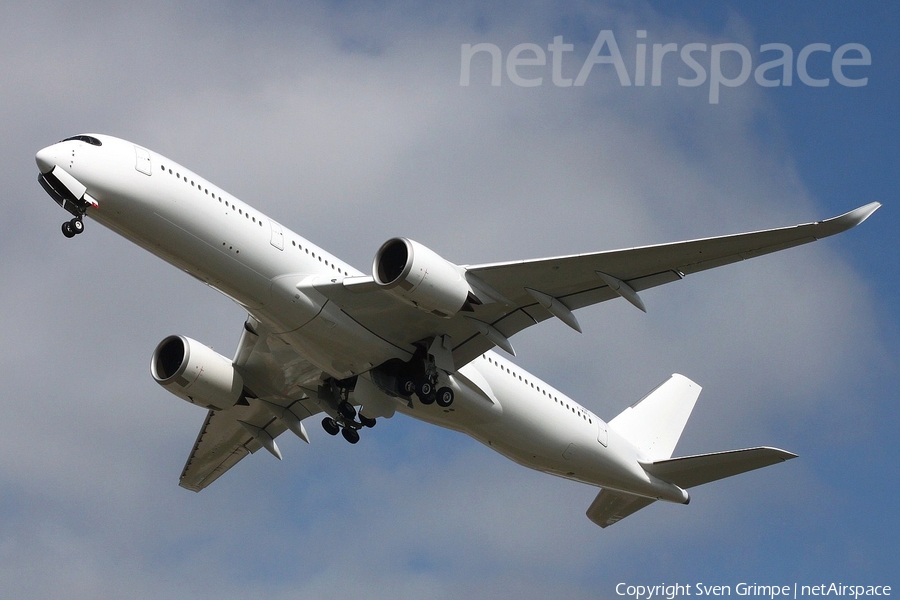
416, 336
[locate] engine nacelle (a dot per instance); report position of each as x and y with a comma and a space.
196, 373
419, 276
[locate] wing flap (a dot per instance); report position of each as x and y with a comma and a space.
223, 442
205, 464
210, 459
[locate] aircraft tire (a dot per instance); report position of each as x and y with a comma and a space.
347, 411
444, 397
351, 435
407, 387
330, 426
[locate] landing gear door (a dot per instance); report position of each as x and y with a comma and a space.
277, 235
602, 432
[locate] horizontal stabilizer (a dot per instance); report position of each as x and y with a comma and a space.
611, 507
654, 423
691, 471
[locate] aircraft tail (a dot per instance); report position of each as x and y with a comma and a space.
655, 422
611, 506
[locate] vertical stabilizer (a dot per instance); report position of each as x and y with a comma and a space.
655, 422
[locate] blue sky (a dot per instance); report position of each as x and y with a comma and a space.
346, 121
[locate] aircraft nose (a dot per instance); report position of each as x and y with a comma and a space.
46, 159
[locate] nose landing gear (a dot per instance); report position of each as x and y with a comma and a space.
73, 227
71, 195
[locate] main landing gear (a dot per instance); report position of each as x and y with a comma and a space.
421, 374
424, 389
347, 420
73, 227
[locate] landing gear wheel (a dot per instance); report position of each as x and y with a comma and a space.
330, 426
68, 230
347, 411
444, 397
424, 389
366, 421
351, 435
407, 387
77, 225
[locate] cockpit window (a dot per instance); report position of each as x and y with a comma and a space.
84, 138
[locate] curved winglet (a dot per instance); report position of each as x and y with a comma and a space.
847, 220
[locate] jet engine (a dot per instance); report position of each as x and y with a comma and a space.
196, 373
419, 276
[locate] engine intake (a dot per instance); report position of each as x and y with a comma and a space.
196, 373
419, 276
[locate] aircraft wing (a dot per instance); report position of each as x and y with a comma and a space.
519, 294
283, 381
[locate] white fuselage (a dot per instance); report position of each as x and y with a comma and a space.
198, 227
